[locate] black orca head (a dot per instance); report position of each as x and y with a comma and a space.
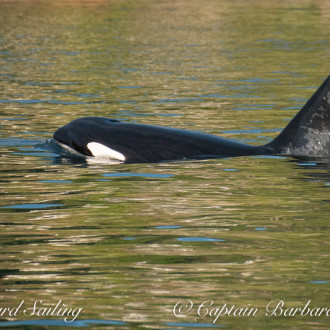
85, 136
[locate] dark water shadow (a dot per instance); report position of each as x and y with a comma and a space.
46, 323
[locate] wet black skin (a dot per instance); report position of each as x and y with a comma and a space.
308, 134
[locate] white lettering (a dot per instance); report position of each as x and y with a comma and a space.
274, 307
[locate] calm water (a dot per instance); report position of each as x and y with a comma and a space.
134, 246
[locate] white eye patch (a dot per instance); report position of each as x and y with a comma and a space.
100, 150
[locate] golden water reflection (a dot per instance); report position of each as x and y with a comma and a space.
129, 247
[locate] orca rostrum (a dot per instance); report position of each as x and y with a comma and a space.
306, 135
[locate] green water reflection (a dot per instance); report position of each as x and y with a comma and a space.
127, 242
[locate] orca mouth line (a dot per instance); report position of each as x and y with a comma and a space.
306, 135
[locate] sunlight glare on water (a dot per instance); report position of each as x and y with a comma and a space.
127, 242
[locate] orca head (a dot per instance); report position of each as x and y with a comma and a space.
86, 136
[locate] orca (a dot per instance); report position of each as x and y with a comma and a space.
306, 135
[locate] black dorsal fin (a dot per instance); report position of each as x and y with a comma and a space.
308, 133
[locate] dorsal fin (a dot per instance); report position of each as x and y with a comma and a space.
308, 133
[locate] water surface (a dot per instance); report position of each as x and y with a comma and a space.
127, 243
